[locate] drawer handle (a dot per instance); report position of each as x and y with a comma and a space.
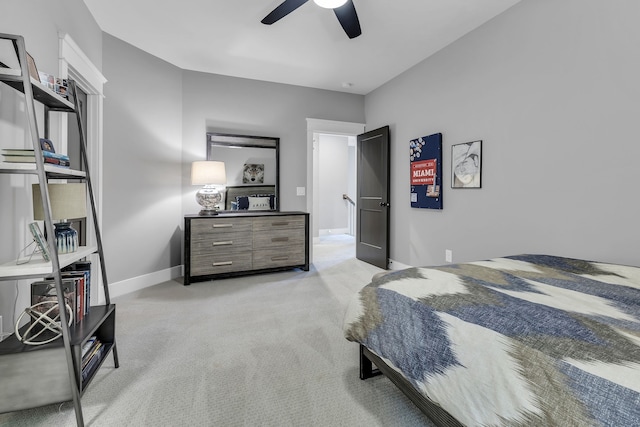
222, 225
280, 239
218, 264
279, 258
280, 224
226, 243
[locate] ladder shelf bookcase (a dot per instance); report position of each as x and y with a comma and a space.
39, 375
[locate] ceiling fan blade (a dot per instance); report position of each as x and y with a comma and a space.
349, 19
285, 8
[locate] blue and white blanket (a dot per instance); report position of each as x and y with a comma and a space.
529, 340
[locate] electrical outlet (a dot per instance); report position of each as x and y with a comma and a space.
448, 255
300, 191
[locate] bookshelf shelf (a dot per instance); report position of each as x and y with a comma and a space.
52, 171
100, 322
64, 368
38, 267
41, 93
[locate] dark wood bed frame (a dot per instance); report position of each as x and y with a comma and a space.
439, 416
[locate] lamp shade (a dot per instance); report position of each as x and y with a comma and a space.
68, 201
208, 172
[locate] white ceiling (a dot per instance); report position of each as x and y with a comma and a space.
306, 48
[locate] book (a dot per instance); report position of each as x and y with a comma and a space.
88, 346
91, 354
32, 159
18, 151
78, 278
46, 291
93, 363
84, 267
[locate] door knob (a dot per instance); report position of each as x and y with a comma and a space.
383, 204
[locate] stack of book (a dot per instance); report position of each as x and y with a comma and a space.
20, 155
16, 155
76, 285
92, 352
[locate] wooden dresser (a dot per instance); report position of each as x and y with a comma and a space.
231, 244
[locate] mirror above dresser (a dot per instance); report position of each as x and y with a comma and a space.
252, 167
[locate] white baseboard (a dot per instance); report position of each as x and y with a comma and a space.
329, 232
396, 265
136, 283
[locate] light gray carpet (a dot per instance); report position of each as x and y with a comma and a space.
263, 350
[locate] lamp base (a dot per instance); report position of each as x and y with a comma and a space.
66, 238
208, 197
208, 212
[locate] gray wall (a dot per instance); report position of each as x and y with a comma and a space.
248, 107
142, 162
333, 182
551, 87
39, 22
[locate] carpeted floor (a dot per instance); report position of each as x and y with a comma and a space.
263, 350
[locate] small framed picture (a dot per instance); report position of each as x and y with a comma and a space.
47, 145
39, 239
33, 70
466, 165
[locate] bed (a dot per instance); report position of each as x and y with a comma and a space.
250, 197
527, 340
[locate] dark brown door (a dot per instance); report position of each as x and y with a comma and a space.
372, 223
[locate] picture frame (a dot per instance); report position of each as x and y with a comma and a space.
466, 165
39, 239
425, 164
33, 70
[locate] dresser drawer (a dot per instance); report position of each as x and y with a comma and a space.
221, 243
279, 238
202, 265
204, 228
281, 257
283, 222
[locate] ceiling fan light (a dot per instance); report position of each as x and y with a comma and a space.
330, 4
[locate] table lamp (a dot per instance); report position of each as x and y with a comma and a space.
210, 174
68, 201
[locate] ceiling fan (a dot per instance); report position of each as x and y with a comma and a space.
344, 9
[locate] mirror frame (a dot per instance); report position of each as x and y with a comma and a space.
215, 139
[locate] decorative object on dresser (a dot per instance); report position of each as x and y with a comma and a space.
68, 201
232, 244
211, 174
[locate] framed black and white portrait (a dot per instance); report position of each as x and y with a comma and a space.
466, 165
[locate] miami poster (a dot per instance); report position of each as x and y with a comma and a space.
425, 155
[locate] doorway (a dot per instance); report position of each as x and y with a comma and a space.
327, 128
334, 184
75, 64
